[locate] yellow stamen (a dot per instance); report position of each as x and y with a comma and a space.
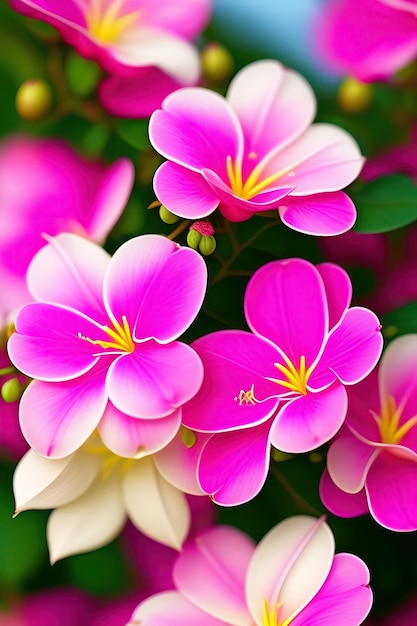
246, 397
107, 26
122, 336
252, 186
388, 422
296, 379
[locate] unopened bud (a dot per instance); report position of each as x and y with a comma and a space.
34, 100
217, 62
279, 456
207, 245
188, 437
11, 390
354, 96
166, 216
193, 239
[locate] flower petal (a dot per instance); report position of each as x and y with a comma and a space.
291, 292
309, 421
289, 566
171, 609
320, 214
339, 502
338, 290
57, 418
154, 380
89, 522
134, 437
155, 507
348, 463
219, 557
233, 466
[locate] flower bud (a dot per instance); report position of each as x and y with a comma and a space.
166, 216
11, 390
207, 245
188, 437
193, 239
354, 96
34, 100
217, 62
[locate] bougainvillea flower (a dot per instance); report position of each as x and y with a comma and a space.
144, 45
255, 150
100, 343
345, 39
284, 383
292, 577
372, 465
93, 491
67, 193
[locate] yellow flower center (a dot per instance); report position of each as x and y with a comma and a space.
295, 379
254, 183
270, 617
110, 461
389, 422
106, 24
120, 337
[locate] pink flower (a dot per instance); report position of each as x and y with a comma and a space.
372, 465
291, 577
143, 44
346, 40
101, 343
253, 151
285, 383
46, 187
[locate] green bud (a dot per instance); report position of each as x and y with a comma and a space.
188, 437
11, 390
207, 245
217, 62
279, 456
34, 100
193, 239
166, 215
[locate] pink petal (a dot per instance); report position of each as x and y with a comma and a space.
363, 400
345, 598
339, 502
57, 418
59, 274
321, 214
234, 362
263, 94
309, 421
155, 379
338, 290
233, 466
45, 10
219, 557
352, 349
186, 19
348, 463
134, 437
294, 312
171, 609
49, 343
391, 487
158, 285
184, 192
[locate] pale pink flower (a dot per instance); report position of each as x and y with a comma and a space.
46, 187
372, 464
292, 577
145, 45
101, 342
255, 150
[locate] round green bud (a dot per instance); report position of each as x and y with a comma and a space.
11, 390
207, 245
354, 96
166, 216
34, 100
216, 62
193, 239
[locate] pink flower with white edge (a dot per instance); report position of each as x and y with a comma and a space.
284, 383
144, 45
372, 465
292, 577
345, 39
46, 187
101, 343
255, 150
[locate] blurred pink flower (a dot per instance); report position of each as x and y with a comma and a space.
12, 442
255, 150
46, 187
345, 39
101, 342
291, 577
143, 44
372, 464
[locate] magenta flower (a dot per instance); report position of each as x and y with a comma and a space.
253, 151
372, 465
101, 343
285, 383
291, 577
144, 45
346, 41
61, 192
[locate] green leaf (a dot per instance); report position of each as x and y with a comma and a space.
385, 204
134, 132
82, 75
402, 321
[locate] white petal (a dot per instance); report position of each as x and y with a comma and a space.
89, 522
155, 507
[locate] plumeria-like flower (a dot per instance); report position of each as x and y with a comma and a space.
46, 187
284, 383
345, 39
101, 342
292, 577
372, 465
255, 150
143, 44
